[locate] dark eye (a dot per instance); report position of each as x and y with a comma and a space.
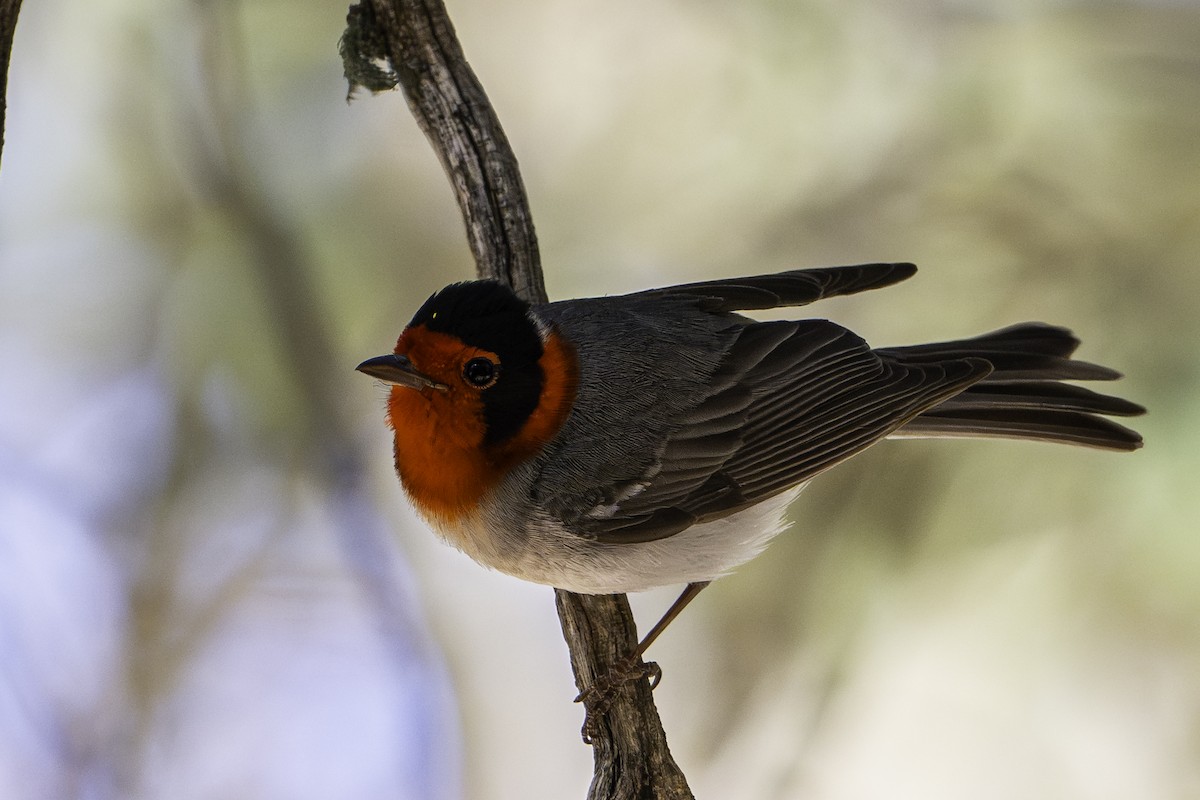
481, 372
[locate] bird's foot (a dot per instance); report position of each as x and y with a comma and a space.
599, 696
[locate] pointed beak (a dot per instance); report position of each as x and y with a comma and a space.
399, 371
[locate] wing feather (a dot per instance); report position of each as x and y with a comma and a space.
793, 288
819, 396
752, 409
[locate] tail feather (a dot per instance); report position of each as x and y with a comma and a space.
1022, 397
990, 394
1029, 351
1069, 427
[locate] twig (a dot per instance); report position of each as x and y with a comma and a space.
418, 41
412, 43
9, 9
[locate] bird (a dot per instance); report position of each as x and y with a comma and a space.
621, 443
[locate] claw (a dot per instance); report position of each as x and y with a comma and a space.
598, 697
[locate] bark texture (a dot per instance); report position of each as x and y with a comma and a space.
412, 43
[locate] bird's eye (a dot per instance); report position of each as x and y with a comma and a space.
481, 372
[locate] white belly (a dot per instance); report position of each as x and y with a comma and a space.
550, 555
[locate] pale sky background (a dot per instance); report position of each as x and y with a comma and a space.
212, 587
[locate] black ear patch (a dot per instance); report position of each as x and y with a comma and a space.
488, 315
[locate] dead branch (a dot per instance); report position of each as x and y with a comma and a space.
412, 43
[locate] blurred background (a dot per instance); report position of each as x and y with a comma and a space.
211, 585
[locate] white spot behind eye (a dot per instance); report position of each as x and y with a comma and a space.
543, 327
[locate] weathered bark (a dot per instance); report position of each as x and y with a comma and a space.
9, 9
417, 40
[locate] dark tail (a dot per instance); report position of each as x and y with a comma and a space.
1023, 397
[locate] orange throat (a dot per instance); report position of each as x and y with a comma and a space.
441, 458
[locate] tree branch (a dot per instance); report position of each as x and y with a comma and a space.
417, 40
9, 9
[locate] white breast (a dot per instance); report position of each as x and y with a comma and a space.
546, 553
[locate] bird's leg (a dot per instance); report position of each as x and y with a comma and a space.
599, 694
686, 596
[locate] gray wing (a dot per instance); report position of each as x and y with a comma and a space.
793, 288
729, 411
791, 400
